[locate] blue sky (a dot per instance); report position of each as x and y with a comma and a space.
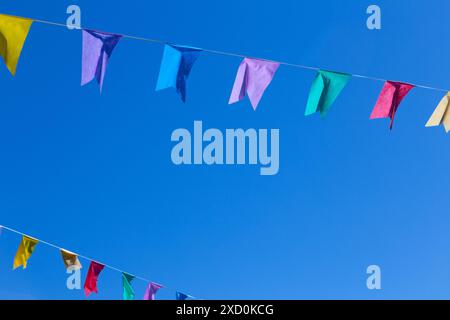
93, 173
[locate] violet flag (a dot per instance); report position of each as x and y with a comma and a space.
151, 290
97, 50
389, 100
252, 78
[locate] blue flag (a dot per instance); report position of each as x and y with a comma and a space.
176, 65
181, 296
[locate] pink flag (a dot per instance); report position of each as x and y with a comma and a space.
390, 98
152, 288
253, 78
90, 284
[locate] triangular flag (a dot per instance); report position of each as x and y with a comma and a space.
24, 251
90, 284
151, 290
252, 78
389, 100
441, 116
97, 50
70, 259
128, 292
13, 33
176, 65
181, 296
325, 89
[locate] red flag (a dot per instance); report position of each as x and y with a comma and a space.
390, 98
90, 284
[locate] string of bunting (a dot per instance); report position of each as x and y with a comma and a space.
71, 262
253, 76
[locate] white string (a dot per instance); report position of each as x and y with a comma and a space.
239, 55
87, 258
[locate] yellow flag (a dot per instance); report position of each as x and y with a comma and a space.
442, 114
24, 252
70, 259
13, 33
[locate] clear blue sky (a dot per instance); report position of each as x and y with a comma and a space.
93, 172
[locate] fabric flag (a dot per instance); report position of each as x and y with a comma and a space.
24, 252
176, 65
97, 50
325, 89
181, 296
70, 259
441, 116
90, 284
252, 78
152, 288
128, 292
389, 100
13, 33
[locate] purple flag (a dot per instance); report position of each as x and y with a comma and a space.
152, 288
97, 49
253, 78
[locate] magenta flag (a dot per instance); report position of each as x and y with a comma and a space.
152, 288
97, 49
253, 78
90, 284
389, 100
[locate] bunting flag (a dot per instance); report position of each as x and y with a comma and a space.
389, 100
252, 78
441, 116
70, 259
325, 88
128, 292
90, 284
13, 33
150, 292
97, 50
181, 296
24, 252
176, 65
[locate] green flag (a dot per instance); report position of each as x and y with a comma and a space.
325, 89
128, 292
